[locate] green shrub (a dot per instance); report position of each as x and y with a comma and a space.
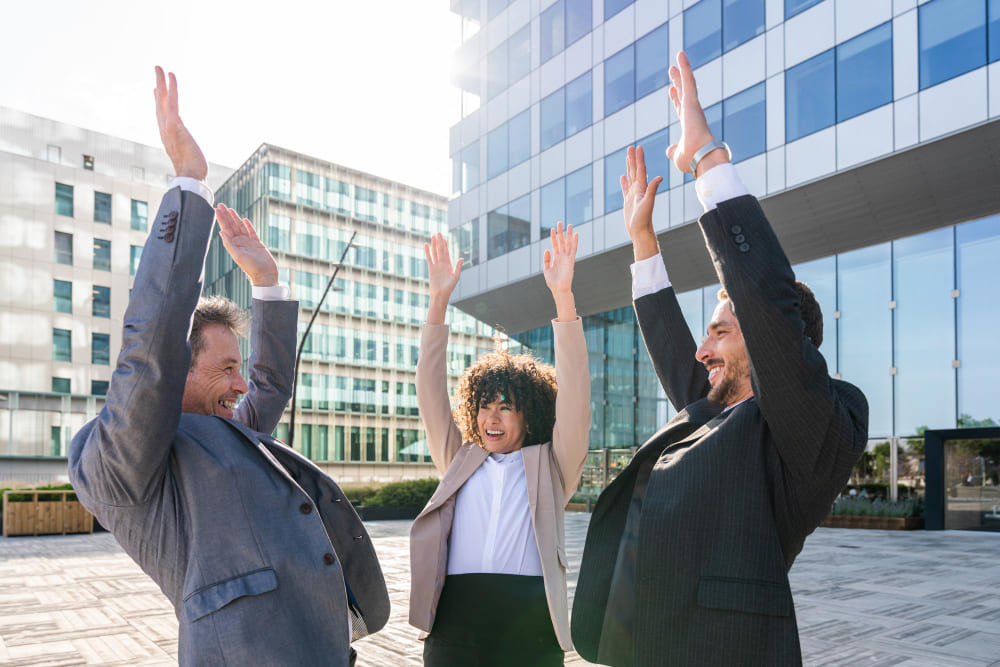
359, 493
906, 507
411, 493
42, 497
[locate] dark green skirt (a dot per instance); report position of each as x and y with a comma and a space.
492, 620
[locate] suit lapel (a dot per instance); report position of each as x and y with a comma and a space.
469, 458
531, 472
257, 440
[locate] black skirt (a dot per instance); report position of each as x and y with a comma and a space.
492, 620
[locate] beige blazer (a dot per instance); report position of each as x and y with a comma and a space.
552, 471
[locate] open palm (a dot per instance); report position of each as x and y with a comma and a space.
440, 273
181, 147
245, 247
639, 195
560, 260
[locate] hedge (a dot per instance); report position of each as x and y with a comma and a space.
411, 493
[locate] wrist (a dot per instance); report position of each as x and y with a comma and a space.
645, 246
713, 159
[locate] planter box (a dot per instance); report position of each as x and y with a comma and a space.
388, 513
45, 517
577, 507
874, 522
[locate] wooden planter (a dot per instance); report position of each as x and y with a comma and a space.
874, 522
44, 517
576, 507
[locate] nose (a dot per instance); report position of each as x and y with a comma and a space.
704, 351
239, 385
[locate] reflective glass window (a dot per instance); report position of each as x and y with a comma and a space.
135, 254
579, 196
99, 387
978, 247
496, 151
820, 276
519, 54
703, 32
924, 331
519, 138
619, 80
470, 166
652, 60
64, 200
553, 205
465, 238
102, 207
654, 148
864, 72
61, 345
614, 167
279, 180
308, 188
579, 19
742, 20
579, 104
744, 122
864, 288
100, 349
612, 7
140, 215
64, 248
496, 71
102, 255
952, 39
496, 233
553, 31
279, 232
101, 301
793, 7
519, 223
553, 118
60, 385
62, 296
494, 7
809, 96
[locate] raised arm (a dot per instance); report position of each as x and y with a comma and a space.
571, 431
120, 458
443, 436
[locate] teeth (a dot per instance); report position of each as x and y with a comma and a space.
229, 405
712, 373
489, 432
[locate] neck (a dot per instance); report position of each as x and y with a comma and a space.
739, 399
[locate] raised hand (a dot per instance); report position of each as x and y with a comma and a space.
245, 247
558, 266
638, 209
442, 277
181, 147
695, 132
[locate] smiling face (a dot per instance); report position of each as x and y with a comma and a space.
214, 383
724, 354
501, 425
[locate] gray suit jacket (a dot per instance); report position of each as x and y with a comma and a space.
720, 502
249, 540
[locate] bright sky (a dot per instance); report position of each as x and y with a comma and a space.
363, 83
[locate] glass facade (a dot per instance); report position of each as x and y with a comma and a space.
102, 255
100, 349
102, 207
61, 345
62, 296
63, 244
139, 215
953, 38
101, 298
64, 200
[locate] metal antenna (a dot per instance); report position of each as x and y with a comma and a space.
302, 343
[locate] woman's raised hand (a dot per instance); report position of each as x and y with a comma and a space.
442, 277
558, 270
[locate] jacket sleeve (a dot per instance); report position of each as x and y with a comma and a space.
817, 429
671, 347
443, 437
571, 431
121, 457
272, 363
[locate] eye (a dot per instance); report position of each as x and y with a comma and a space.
506, 408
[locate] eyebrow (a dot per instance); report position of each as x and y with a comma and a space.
718, 324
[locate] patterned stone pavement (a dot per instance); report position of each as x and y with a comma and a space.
874, 598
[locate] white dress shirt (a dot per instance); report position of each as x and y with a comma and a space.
266, 293
492, 531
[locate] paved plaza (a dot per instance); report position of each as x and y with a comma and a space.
862, 597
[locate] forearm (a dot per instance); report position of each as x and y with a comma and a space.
671, 347
438, 308
272, 363
443, 437
571, 431
565, 306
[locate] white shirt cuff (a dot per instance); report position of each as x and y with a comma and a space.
269, 293
195, 186
649, 276
718, 184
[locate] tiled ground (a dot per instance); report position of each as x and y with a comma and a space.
874, 598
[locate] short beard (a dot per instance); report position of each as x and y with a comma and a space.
728, 389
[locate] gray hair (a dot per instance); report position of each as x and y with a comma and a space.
216, 310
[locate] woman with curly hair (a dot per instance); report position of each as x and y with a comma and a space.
487, 554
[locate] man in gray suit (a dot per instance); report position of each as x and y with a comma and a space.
688, 548
262, 556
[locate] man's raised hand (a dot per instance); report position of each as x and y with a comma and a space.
558, 264
695, 132
442, 277
180, 145
638, 208
245, 247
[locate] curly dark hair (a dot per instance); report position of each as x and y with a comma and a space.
812, 314
526, 382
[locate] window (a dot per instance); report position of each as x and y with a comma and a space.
64, 248
470, 167
99, 387
465, 238
279, 232
100, 349
508, 227
135, 254
579, 104
742, 20
496, 71
952, 37
308, 188
102, 301
744, 122
494, 7
102, 207
140, 214
793, 7
652, 60
655, 149
519, 138
612, 7
579, 196
62, 294
553, 118
809, 96
279, 180
614, 167
64, 200
553, 205
519, 55
496, 151
562, 24
102, 255
60, 385
619, 80
579, 19
703, 32
61, 344
88, 162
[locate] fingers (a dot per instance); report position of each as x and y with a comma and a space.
547, 260
624, 182
640, 170
651, 189
689, 87
248, 227
172, 94
427, 253
670, 152
630, 163
574, 240
675, 98
443, 253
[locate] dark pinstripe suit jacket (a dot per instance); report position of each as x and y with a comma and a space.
729, 497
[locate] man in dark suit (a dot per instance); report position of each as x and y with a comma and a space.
262, 556
688, 549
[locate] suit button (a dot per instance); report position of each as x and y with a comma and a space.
172, 216
169, 237
328, 559
739, 238
736, 229
744, 247
305, 508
